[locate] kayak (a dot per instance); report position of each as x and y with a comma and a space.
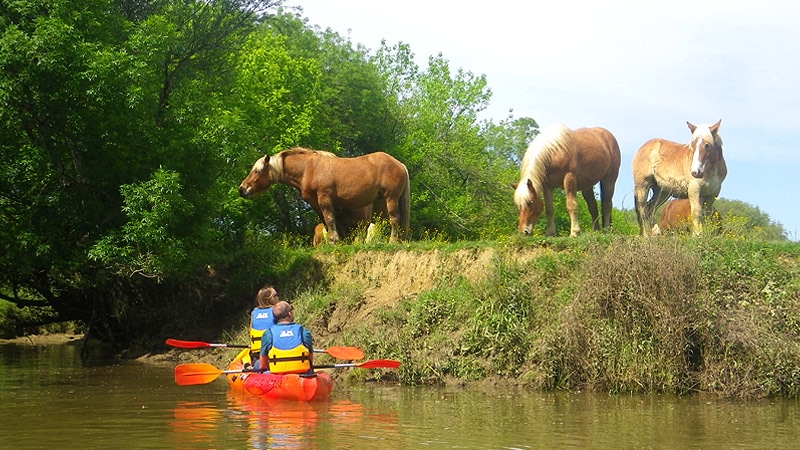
274, 386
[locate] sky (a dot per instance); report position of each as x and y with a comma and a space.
639, 69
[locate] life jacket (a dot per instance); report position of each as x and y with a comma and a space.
288, 354
261, 320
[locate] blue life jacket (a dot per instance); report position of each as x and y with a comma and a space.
288, 354
261, 319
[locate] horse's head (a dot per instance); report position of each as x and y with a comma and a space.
259, 178
529, 204
706, 146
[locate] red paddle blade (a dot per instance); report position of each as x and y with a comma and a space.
191, 374
351, 353
379, 364
187, 344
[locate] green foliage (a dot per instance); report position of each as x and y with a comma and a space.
743, 221
149, 243
459, 172
604, 313
126, 129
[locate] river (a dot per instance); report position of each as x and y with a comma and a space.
49, 399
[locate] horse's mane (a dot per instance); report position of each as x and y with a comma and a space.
704, 131
299, 150
548, 142
276, 161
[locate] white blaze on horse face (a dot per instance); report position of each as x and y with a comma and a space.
701, 140
527, 208
248, 184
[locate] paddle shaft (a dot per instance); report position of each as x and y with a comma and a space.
338, 352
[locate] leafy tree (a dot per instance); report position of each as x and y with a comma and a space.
740, 219
100, 95
460, 168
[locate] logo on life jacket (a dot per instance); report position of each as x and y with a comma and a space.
262, 315
286, 333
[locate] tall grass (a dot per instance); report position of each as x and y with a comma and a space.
602, 312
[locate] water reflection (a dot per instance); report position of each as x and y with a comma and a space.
50, 400
339, 423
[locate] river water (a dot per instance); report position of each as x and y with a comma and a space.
48, 399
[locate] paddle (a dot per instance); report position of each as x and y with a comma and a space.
201, 373
338, 352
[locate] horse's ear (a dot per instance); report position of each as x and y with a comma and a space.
530, 187
266, 159
715, 127
514, 186
691, 127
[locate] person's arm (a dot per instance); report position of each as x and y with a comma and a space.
266, 344
309, 343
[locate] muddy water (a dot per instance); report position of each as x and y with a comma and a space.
48, 399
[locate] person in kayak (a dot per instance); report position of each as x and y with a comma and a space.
287, 347
261, 319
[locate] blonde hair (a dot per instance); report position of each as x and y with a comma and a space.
266, 297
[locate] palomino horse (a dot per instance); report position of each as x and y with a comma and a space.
669, 169
574, 160
676, 217
328, 183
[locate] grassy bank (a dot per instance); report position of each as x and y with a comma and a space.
606, 313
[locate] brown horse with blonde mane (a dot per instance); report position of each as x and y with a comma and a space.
664, 169
330, 183
676, 217
574, 160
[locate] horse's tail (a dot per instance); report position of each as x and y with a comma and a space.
405, 207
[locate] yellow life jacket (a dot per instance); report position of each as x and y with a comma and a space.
255, 343
295, 360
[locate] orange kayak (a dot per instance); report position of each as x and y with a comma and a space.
289, 386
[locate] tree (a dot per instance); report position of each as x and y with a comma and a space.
106, 115
460, 168
740, 219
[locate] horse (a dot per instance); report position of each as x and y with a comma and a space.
665, 169
676, 217
574, 160
376, 181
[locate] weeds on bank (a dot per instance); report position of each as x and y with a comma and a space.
619, 314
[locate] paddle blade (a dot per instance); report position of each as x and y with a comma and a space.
191, 374
351, 353
187, 344
379, 364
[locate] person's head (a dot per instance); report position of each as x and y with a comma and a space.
283, 312
266, 297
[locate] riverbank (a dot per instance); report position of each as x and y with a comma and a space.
602, 313
37, 340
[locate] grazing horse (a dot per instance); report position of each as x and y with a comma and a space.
676, 217
668, 169
330, 183
574, 160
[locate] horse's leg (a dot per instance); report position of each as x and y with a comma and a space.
393, 210
591, 203
640, 192
328, 216
648, 208
606, 199
550, 228
696, 206
571, 191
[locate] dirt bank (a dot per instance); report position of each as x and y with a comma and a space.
43, 339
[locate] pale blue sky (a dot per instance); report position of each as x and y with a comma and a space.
637, 69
